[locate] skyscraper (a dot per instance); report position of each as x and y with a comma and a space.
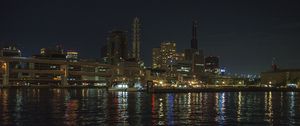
194, 41
168, 52
194, 54
136, 38
117, 47
164, 56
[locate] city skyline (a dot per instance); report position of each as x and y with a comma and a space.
246, 42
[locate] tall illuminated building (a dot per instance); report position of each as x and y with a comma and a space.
136, 38
156, 58
117, 47
164, 56
168, 53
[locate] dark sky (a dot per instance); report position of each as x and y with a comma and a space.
246, 34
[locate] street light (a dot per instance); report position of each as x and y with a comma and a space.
3, 66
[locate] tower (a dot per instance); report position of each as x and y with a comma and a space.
274, 65
194, 41
136, 38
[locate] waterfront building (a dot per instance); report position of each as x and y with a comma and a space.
212, 65
152, 74
133, 71
12, 51
72, 56
117, 47
37, 71
227, 80
56, 53
281, 77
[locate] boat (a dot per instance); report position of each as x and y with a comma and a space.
125, 86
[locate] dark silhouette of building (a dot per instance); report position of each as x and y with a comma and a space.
56, 53
10, 51
194, 54
117, 47
274, 65
104, 51
194, 41
212, 64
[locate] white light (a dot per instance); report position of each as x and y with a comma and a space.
122, 86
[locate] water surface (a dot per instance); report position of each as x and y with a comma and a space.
100, 107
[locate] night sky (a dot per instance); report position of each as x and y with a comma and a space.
246, 34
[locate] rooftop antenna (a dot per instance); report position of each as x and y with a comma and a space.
274, 66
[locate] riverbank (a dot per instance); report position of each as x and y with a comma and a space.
166, 90
47, 86
222, 89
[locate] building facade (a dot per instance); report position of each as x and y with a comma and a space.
212, 65
10, 51
72, 55
168, 54
136, 38
281, 77
156, 58
117, 47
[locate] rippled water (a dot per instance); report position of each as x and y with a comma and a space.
100, 107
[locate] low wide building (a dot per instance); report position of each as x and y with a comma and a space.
281, 77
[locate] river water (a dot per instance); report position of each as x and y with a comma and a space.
100, 107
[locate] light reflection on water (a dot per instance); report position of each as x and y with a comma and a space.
100, 107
